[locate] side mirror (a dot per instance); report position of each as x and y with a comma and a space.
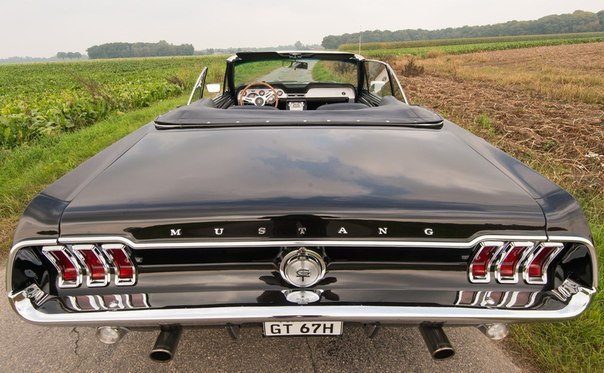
213, 88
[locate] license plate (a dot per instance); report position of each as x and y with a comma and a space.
284, 328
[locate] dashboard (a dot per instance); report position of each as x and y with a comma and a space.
312, 94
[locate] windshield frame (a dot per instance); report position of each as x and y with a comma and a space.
305, 65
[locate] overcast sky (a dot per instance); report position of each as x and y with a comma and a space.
41, 28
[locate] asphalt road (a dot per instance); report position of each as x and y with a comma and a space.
284, 74
26, 347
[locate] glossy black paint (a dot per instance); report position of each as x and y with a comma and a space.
200, 180
299, 182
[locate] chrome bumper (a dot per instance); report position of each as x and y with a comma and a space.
242, 315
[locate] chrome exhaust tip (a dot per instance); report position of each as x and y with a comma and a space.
437, 342
110, 334
166, 343
495, 332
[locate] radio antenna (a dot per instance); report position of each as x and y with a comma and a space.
360, 39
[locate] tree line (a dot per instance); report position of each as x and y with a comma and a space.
578, 21
124, 50
69, 55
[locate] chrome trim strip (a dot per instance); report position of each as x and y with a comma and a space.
74, 303
590, 247
94, 302
478, 297
13, 251
223, 315
400, 87
280, 243
532, 299
295, 243
203, 73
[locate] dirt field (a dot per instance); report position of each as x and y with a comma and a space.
500, 96
545, 106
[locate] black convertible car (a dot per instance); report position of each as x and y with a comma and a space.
307, 195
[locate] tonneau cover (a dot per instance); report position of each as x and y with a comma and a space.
395, 113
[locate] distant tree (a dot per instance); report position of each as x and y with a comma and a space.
298, 45
578, 21
601, 18
69, 55
124, 50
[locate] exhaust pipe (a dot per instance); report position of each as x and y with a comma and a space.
437, 342
166, 343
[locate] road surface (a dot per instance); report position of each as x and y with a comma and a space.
284, 74
31, 348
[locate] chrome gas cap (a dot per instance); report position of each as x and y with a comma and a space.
302, 267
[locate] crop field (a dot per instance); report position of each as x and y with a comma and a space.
47, 99
544, 106
434, 48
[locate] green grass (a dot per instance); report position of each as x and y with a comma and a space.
43, 99
570, 346
429, 51
246, 73
334, 71
27, 170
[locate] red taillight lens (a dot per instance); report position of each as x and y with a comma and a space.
125, 272
536, 270
66, 265
480, 265
508, 266
98, 271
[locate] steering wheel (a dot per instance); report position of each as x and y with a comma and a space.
259, 100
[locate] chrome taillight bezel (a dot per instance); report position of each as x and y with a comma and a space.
61, 282
90, 282
522, 267
528, 246
117, 279
76, 256
545, 267
487, 278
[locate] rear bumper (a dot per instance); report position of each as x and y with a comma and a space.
24, 306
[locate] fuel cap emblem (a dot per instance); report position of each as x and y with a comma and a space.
302, 267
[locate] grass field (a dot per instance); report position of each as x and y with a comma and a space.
434, 48
544, 106
46, 99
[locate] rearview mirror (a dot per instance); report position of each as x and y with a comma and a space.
213, 87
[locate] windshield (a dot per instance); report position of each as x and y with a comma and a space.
295, 71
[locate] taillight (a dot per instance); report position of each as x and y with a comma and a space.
68, 268
94, 263
536, 268
509, 260
125, 273
480, 265
96, 266
508, 265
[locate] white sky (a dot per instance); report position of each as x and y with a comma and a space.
41, 28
